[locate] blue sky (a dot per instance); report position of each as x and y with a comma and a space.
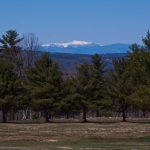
99, 21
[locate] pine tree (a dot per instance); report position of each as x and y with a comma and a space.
11, 51
139, 68
146, 41
10, 88
98, 82
10, 44
68, 103
141, 98
121, 87
83, 89
44, 81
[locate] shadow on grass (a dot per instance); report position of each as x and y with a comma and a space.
71, 121
25, 122
140, 122
62, 122
104, 122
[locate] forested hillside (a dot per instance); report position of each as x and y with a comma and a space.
69, 62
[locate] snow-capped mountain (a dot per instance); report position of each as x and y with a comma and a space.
83, 47
65, 45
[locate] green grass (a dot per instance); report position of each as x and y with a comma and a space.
104, 144
76, 136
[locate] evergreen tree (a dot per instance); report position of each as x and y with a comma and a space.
98, 83
121, 87
11, 51
146, 41
139, 68
141, 98
83, 89
44, 81
10, 44
10, 89
68, 103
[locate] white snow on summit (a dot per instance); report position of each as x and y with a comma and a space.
65, 45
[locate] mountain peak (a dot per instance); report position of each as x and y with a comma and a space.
83, 47
67, 44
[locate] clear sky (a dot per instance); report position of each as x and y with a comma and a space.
99, 21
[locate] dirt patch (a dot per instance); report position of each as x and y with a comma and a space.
65, 148
15, 148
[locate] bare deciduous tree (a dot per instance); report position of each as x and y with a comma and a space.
30, 46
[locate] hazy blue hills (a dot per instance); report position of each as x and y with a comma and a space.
82, 47
69, 62
70, 55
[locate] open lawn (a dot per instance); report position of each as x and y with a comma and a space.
108, 135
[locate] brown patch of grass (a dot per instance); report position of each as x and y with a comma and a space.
54, 133
41, 131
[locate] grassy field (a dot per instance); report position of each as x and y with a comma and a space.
108, 135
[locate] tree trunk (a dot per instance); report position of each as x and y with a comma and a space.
4, 116
30, 114
84, 116
97, 113
46, 117
67, 115
13, 115
24, 113
39, 115
17, 116
144, 113
124, 116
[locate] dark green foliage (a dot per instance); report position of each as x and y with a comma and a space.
40, 85
121, 87
10, 50
139, 68
146, 41
141, 97
68, 103
98, 88
10, 39
83, 88
10, 88
10, 43
68, 62
85, 91
44, 81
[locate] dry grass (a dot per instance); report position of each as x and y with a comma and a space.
75, 136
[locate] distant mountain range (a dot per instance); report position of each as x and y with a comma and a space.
69, 62
83, 47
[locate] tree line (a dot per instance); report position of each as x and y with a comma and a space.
33, 82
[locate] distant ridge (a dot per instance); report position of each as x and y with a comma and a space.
83, 47
69, 62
